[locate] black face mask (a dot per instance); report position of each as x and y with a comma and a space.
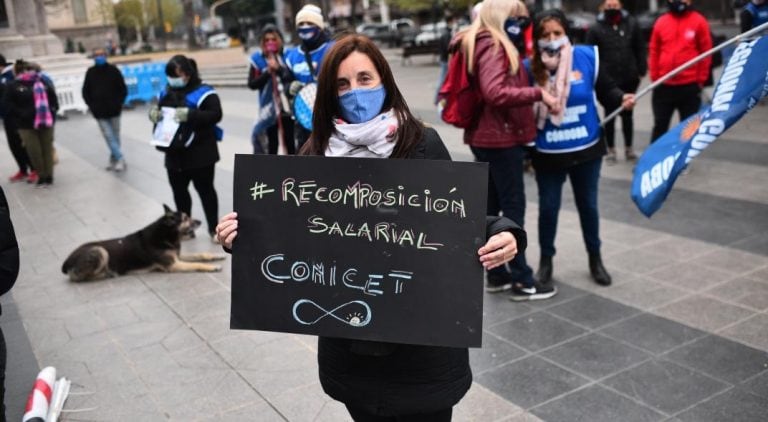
612, 15
677, 7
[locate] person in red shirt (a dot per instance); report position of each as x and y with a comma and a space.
678, 36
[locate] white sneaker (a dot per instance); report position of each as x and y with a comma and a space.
119, 166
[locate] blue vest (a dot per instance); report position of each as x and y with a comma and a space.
759, 13
580, 127
296, 61
194, 99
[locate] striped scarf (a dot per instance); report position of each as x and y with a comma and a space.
43, 116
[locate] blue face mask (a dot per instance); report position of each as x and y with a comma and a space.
362, 104
100, 60
176, 82
514, 30
308, 32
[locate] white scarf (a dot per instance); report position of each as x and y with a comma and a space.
371, 139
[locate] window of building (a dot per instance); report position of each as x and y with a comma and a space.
79, 11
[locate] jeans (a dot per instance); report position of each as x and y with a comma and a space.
110, 128
506, 194
584, 181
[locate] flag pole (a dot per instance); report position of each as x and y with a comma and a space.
686, 65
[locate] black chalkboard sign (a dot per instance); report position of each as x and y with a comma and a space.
366, 249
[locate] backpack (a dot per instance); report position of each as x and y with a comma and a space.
458, 96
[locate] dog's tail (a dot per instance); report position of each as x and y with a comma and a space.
87, 264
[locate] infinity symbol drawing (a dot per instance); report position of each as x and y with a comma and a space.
353, 315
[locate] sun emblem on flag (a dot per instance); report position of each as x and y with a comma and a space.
690, 128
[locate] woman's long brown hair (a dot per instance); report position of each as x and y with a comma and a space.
326, 110
540, 74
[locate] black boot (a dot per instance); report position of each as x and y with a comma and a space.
598, 271
544, 274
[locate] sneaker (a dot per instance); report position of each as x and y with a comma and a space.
536, 292
33, 177
496, 284
111, 166
119, 166
610, 157
19, 176
630, 155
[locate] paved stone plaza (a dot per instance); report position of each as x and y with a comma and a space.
682, 335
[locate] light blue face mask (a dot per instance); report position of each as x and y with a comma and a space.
100, 60
176, 82
362, 104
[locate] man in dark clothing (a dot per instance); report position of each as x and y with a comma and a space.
754, 14
622, 55
677, 37
9, 270
104, 91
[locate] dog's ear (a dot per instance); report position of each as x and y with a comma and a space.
167, 209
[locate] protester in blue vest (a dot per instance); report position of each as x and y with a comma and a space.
754, 14
305, 59
568, 138
12, 130
193, 153
269, 74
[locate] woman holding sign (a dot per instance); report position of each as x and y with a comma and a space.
568, 143
360, 112
193, 109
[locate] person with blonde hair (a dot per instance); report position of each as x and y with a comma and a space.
503, 126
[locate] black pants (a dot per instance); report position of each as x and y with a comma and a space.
17, 149
274, 140
627, 126
686, 99
202, 180
439, 416
3, 353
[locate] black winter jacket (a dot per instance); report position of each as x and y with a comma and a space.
104, 91
399, 379
19, 102
9, 248
622, 48
200, 125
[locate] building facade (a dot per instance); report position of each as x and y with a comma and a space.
24, 30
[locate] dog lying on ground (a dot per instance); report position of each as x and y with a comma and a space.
154, 248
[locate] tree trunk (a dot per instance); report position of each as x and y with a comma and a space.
189, 20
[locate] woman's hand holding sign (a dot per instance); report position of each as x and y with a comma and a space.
500, 248
226, 230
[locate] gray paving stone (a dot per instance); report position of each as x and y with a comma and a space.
258, 411
735, 261
691, 276
753, 331
758, 385
640, 261
536, 331
309, 403
757, 243
592, 311
721, 358
743, 291
565, 293
481, 404
704, 312
759, 275
642, 293
530, 381
680, 248
665, 386
595, 356
493, 353
652, 333
498, 308
733, 405
280, 366
595, 404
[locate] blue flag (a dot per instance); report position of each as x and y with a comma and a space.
743, 83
